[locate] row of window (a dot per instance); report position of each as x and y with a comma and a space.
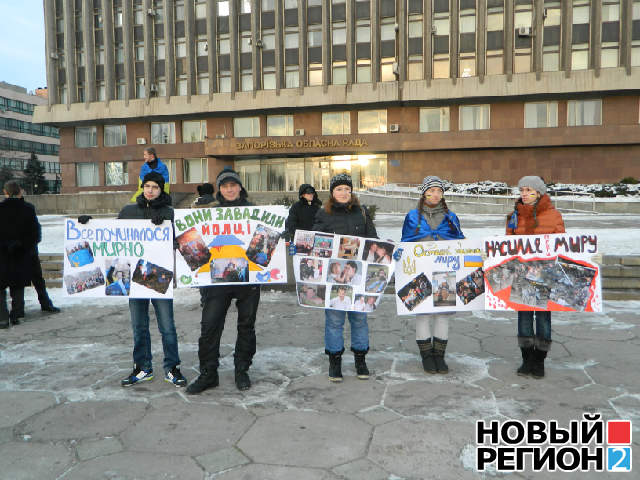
17, 106
20, 164
15, 125
16, 145
432, 119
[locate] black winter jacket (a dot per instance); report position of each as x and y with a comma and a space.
19, 236
302, 214
145, 209
345, 221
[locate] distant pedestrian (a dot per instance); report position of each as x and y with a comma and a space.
205, 196
151, 164
302, 213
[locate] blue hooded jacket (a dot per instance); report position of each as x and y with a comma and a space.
416, 227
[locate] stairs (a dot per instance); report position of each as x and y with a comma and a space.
52, 266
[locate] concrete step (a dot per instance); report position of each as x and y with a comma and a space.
51, 274
53, 283
621, 294
50, 257
620, 283
620, 271
51, 264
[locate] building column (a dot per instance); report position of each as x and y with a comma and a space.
88, 44
402, 18
481, 40
256, 53
129, 57
326, 42
212, 43
626, 30
351, 42
279, 52
303, 52
190, 36
454, 40
170, 47
508, 38
149, 49
109, 58
234, 55
538, 31
595, 36
567, 32
375, 42
427, 41
70, 50
51, 51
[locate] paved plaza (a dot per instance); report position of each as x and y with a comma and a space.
65, 416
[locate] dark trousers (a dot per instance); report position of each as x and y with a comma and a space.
38, 280
17, 303
216, 302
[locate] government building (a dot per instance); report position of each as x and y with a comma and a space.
294, 91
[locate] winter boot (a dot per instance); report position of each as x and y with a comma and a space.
335, 367
439, 347
207, 379
361, 366
537, 365
426, 352
243, 382
527, 361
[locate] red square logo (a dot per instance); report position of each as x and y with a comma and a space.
618, 432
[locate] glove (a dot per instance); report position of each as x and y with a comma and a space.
397, 255
84, 219
157, 219
292, 249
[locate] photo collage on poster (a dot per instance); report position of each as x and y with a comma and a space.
108, 269
534, 283
341, 272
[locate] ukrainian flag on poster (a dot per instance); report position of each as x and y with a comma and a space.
472, 261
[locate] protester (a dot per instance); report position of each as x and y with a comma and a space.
205, 196
217, 300
153, 204
431, 221
151, 164
303, 212
342, 214
17, 244
534, 214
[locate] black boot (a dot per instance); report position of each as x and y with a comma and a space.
527, 362
207, 379
361, 366
335, 366
426, 352
537, 365
439, 347
243, 382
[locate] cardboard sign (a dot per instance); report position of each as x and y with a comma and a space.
230, 246
118, 258
341, 272
543, 272
440, 276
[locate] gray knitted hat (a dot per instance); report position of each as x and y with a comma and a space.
431, 181
226, 175
533, 182
340, 179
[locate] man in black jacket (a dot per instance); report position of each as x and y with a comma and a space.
303, 212
216, 301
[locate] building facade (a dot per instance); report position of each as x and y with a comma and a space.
293, 91
20, 137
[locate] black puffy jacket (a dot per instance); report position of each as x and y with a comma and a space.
18, 240
147, 209
302, 214
345, 221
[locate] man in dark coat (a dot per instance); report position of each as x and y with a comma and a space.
303, 212
18, 239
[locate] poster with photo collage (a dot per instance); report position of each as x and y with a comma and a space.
442, 276
118, 258
341, 272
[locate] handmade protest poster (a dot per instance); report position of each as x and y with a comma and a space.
118, 258
341, 272
230, 245
443, 276
554, 272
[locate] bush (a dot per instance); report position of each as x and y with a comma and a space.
629, 181
371, 210
286, 201
604, 193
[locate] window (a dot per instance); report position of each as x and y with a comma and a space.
201, 9
163, 132
474, 117
336, 123
372, 121
540, 114
203, 84
280, 125
291, 77
584, 112
315, 74
195, 170
194, 131
363, 71
339, 73
181, 48
245, 6
223, 8
86, 137
268, 5
87, 175
246, 127
435, 119
115, 173
171, 164
115, 135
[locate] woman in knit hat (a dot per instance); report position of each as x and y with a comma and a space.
432, 221
534, 214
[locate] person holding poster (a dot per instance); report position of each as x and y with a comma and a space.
534, 214
303, 212
432, 221
216, 301
343, 214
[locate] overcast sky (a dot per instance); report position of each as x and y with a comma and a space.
22, 58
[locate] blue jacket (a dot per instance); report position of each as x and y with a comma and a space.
161, 168
416, 227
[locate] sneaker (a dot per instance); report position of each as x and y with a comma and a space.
175, 377
137, 375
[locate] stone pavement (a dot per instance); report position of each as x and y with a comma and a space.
65, 416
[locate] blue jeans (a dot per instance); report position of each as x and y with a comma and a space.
543, 325
334, 325
139, 308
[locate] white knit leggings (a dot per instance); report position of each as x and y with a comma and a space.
440, 325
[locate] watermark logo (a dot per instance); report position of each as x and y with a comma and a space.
536, 445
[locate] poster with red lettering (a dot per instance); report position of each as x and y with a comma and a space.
554, 272
230, 245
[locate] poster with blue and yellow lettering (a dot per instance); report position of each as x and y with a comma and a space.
230, 245
444, 276
118, 258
